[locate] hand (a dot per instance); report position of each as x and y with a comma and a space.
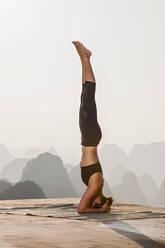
110, 201
106, 207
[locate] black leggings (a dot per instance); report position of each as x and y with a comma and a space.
90, 130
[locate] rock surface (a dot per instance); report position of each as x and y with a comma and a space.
55, 223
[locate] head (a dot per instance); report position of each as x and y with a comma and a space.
99, 201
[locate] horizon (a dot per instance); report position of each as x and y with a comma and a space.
148, 160
19, 151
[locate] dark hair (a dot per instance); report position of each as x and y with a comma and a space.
103, 200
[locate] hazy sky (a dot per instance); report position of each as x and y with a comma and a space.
40, 78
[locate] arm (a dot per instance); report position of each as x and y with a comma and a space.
88, 195
92, 210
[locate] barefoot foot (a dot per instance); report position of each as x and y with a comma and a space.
82, 50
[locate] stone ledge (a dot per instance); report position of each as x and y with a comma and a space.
56, 223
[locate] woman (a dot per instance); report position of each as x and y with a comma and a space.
93, 199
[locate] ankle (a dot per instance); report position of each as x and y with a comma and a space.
85, 58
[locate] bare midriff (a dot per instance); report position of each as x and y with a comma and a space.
89, 155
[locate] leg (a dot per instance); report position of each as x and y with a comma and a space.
83, 73
90, 129
88, 110
88, 90
88, 71
85, 54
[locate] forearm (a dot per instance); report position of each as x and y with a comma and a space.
91, 210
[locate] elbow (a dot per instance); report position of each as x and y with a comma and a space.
80, 211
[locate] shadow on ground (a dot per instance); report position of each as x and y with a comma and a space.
134, 234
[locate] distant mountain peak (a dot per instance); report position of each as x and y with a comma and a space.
48, 171
48, 155
138, 148
53, 151
129, 175
5, 155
